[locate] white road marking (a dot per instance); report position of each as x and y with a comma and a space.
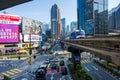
87, 69
95, 68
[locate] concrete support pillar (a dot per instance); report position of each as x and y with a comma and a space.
76, 56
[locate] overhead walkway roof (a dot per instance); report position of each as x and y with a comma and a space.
10, 3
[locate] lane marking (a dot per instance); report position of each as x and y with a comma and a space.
48, 65
95, 68
98, 75
14, 71
17, 70
16, 76
87, 69
6, 74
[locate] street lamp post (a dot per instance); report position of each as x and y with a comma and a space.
30, 51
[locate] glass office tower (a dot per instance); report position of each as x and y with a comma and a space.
80, 13
95, 20
55, 22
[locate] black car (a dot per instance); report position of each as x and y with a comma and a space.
64, 71
40, 74
62, 63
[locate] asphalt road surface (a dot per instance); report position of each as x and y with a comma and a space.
93, 70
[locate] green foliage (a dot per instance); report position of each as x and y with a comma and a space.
79, 74
6, 78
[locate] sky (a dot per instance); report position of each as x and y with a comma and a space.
40, 9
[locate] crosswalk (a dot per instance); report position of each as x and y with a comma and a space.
85, 61
12, 72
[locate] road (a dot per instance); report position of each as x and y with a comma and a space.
54, 75
23, 70
28, 73
6, 65
93, 70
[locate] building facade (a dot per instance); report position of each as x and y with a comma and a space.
48, 33
67, 29
73, 26
81, 13
45, 27
55, 22
114, 19
63, 21
95, 20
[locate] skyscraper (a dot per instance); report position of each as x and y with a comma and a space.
67, 30
63, 26
45, 27
55, 22
114, 19
80, 13
48, 33
93, 16
73, 25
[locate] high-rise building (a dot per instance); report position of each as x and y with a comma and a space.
55, 22
114, 19
63, 26
73, 26
67, 30
80, 13
93, 16
48, 33
45, 27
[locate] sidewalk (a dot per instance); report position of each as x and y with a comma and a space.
13, 58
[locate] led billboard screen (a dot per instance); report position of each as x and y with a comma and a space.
30, 26
8, 33
32, 37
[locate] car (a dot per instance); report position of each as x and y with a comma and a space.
62, 63
40, 74
47, 61
64, 71
77, 59
54, 66
61, 57
56, 59
43, 66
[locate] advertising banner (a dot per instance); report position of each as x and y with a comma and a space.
9, 19
33, 38
30, 26
8, 33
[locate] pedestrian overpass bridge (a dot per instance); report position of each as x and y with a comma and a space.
107, 47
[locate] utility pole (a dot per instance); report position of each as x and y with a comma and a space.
30, 51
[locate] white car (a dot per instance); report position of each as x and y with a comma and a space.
47, 61
24, 79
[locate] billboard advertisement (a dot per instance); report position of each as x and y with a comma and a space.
30, 26
8, 33
33, 38
9, 19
